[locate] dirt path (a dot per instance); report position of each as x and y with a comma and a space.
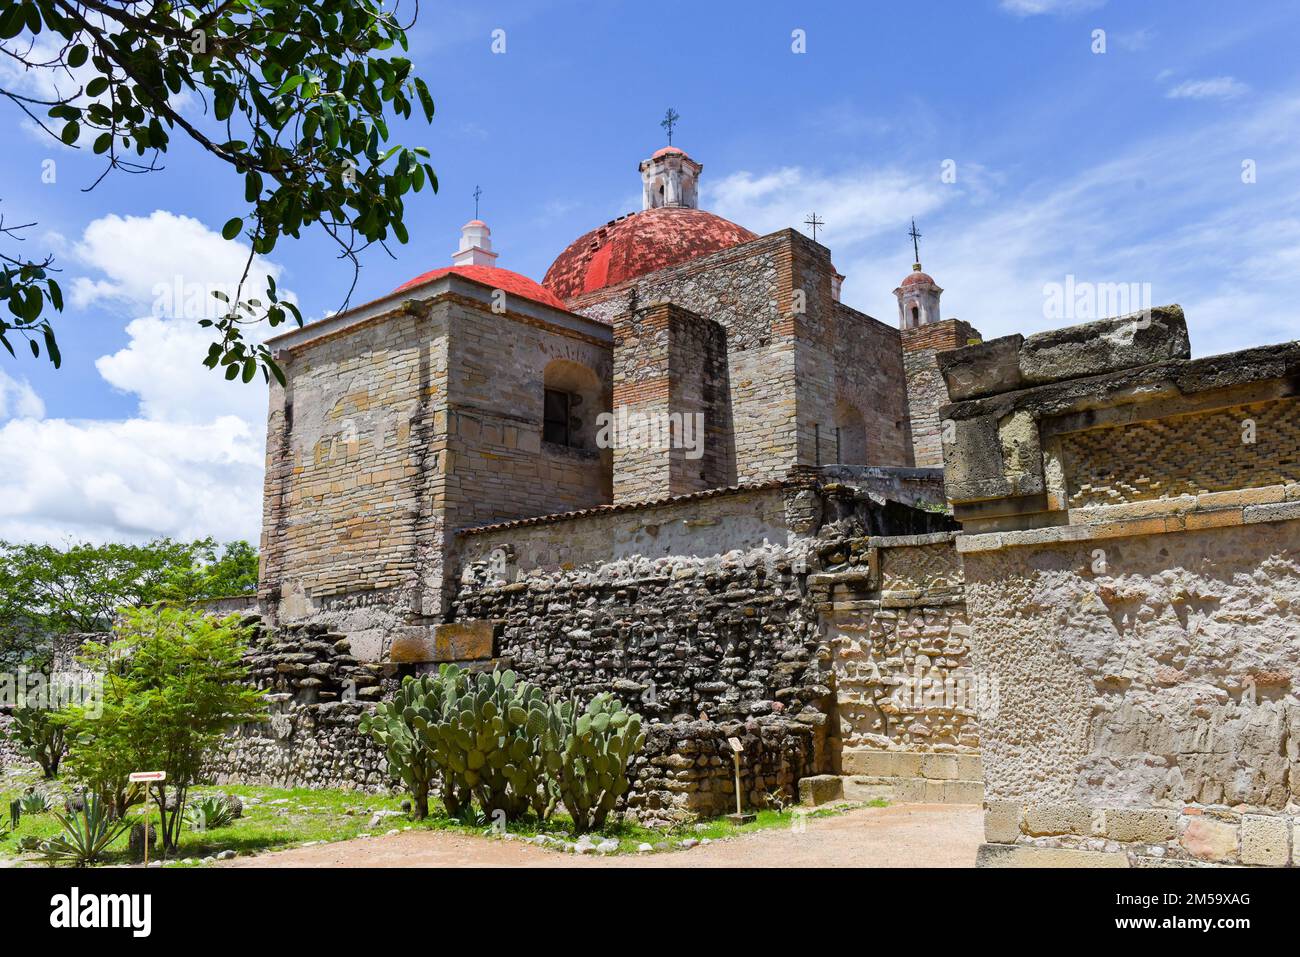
905, 835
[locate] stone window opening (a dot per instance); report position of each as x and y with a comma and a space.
557, 418
572, 399
916, 316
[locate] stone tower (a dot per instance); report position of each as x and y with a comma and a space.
669, 178
924, 334
918, 300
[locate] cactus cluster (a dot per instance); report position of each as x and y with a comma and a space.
591, 768
503, 744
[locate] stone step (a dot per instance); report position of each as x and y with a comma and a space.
860, 788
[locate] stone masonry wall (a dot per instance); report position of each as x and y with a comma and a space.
744, 289
317, 693
926, 390
871, 376
907, 701
1132, 562
391, 434
670, 362
705, 524
1149, 705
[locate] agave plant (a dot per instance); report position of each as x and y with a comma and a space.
86, 834
35, 802
209, 813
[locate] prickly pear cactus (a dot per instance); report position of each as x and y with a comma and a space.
591, 766
504, 744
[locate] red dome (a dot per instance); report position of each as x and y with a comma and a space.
637, 244
665, 150
916, 277
496, 277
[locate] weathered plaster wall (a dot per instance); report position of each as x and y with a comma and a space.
703, 525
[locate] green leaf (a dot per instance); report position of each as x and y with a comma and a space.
232, 228
70, 133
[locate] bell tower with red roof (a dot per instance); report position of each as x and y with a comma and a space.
670, 178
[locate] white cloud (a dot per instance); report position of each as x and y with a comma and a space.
857, 205
163, 264
190, 462
1218, 88
18, 399
1171, 211
1030, 8
135, 479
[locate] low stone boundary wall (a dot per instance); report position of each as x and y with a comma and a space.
687, 769
1073, 835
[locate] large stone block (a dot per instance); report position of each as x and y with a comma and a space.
972, 460
1108, 345
1058, 817
1145, 825
1210, 839
1001, 822
455, 641
1265, 839
988, 368
820, 789
1020, 855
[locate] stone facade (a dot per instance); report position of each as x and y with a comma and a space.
395, 431
926, 390
422, 414
1132, 566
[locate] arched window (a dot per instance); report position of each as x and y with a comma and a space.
850, 435
571, 400
916, 316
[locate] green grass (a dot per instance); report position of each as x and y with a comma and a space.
279, 818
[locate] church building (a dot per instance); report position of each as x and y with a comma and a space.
665, 353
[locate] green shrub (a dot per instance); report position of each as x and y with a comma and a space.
40, 737
86, 834
175, 683
502, 744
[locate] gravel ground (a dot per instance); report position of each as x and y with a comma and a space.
904, 835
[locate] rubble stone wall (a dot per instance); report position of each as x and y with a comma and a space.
1131, 549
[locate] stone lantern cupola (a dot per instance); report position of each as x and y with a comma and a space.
918, 300
669, 178
475, 245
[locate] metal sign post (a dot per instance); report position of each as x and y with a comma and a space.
146, 778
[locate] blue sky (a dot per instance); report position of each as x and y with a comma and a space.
1117, 167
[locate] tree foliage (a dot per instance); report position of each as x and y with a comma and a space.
293, 97
48, 590
175, 682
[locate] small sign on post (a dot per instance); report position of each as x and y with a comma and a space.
148, 777
737, 749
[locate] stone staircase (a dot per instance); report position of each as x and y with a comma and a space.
901, 777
